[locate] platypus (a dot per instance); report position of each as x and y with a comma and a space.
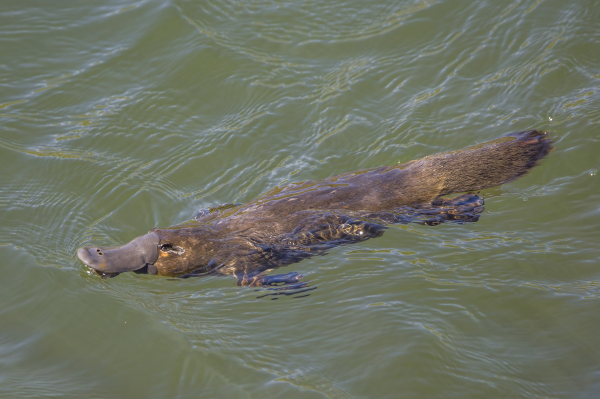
299, 220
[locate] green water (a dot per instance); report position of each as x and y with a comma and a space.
118, 116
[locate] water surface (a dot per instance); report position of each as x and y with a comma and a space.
119, 116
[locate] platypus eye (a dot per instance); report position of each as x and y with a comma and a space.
170, 248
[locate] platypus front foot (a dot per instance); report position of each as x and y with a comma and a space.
262, 280
278, 279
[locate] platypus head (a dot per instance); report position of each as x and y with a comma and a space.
168, 252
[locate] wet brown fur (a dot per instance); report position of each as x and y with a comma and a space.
293, 222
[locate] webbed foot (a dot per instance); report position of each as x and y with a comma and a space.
461, 209
262, 280
289, 278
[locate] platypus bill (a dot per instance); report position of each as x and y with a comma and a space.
291, 223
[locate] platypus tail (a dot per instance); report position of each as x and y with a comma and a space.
483, 166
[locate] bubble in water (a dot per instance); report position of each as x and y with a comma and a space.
550, 119
524, 199
593, 172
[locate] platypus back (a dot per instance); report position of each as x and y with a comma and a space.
417, 182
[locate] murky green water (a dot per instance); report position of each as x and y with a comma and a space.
119, 116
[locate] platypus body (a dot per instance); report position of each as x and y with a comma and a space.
291, 223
